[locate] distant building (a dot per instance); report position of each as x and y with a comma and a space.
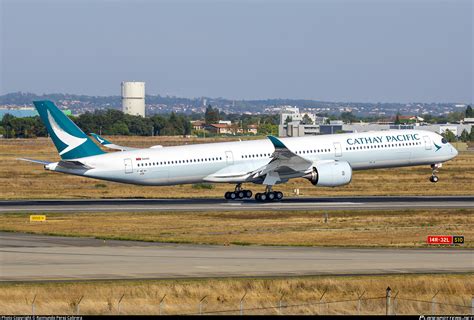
289, 113
198, 124
292, 123
221, 128
330, 128
133, 98
453, 129
252, 128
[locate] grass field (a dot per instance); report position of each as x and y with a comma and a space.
22, 180
183, 296
408, 228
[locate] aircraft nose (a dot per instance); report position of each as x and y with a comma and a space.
454, 152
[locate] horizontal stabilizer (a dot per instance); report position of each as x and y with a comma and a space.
35, 161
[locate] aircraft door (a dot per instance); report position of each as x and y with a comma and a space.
427, 142
229, 157
128, 165
338, 149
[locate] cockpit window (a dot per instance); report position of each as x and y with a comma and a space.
443, 140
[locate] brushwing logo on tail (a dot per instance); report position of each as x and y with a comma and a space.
71, 141
100, 140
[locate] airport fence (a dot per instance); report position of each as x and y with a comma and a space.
360, 304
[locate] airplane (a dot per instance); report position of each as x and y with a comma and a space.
324, 160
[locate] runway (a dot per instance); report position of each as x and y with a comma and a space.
26, 257
322, 203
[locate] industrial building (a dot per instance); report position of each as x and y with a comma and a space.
296, 124
133, 98
291, 125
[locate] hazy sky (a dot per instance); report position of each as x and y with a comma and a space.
334, 50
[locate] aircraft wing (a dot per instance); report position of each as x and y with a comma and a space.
284, 164
109, 144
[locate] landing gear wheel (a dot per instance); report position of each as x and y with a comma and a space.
227, 195
434, 169
279, 195
271, 196
232, 195
240, 194
248, 194
258, 196
263, 197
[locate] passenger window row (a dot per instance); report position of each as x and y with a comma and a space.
162, 163
261, 155
313, 151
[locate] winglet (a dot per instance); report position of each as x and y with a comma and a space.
277, 142
101, 140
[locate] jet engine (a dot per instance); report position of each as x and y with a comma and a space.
330, 174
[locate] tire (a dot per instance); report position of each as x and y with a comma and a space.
240, 194
258, 196
263, 197
271, 196
227, 195
279, 195
232, 196
248, 194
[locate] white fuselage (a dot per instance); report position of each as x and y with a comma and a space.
199, 162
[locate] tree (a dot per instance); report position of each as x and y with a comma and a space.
211, 115
469, 112
397, 118
288, 119
119, 128
268, 129
449, 135
307, 119
348, 117
464, 136
471, 135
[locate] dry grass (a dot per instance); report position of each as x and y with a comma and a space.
182, 296
19, 180
407, 228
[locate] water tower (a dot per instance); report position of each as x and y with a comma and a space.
133, 98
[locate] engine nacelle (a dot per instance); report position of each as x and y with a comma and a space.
330, 174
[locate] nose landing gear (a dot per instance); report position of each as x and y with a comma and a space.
434, 169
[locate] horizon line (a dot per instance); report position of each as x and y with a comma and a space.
244, 100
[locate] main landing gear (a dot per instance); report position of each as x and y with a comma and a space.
269, 195
239, 193
434, 169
